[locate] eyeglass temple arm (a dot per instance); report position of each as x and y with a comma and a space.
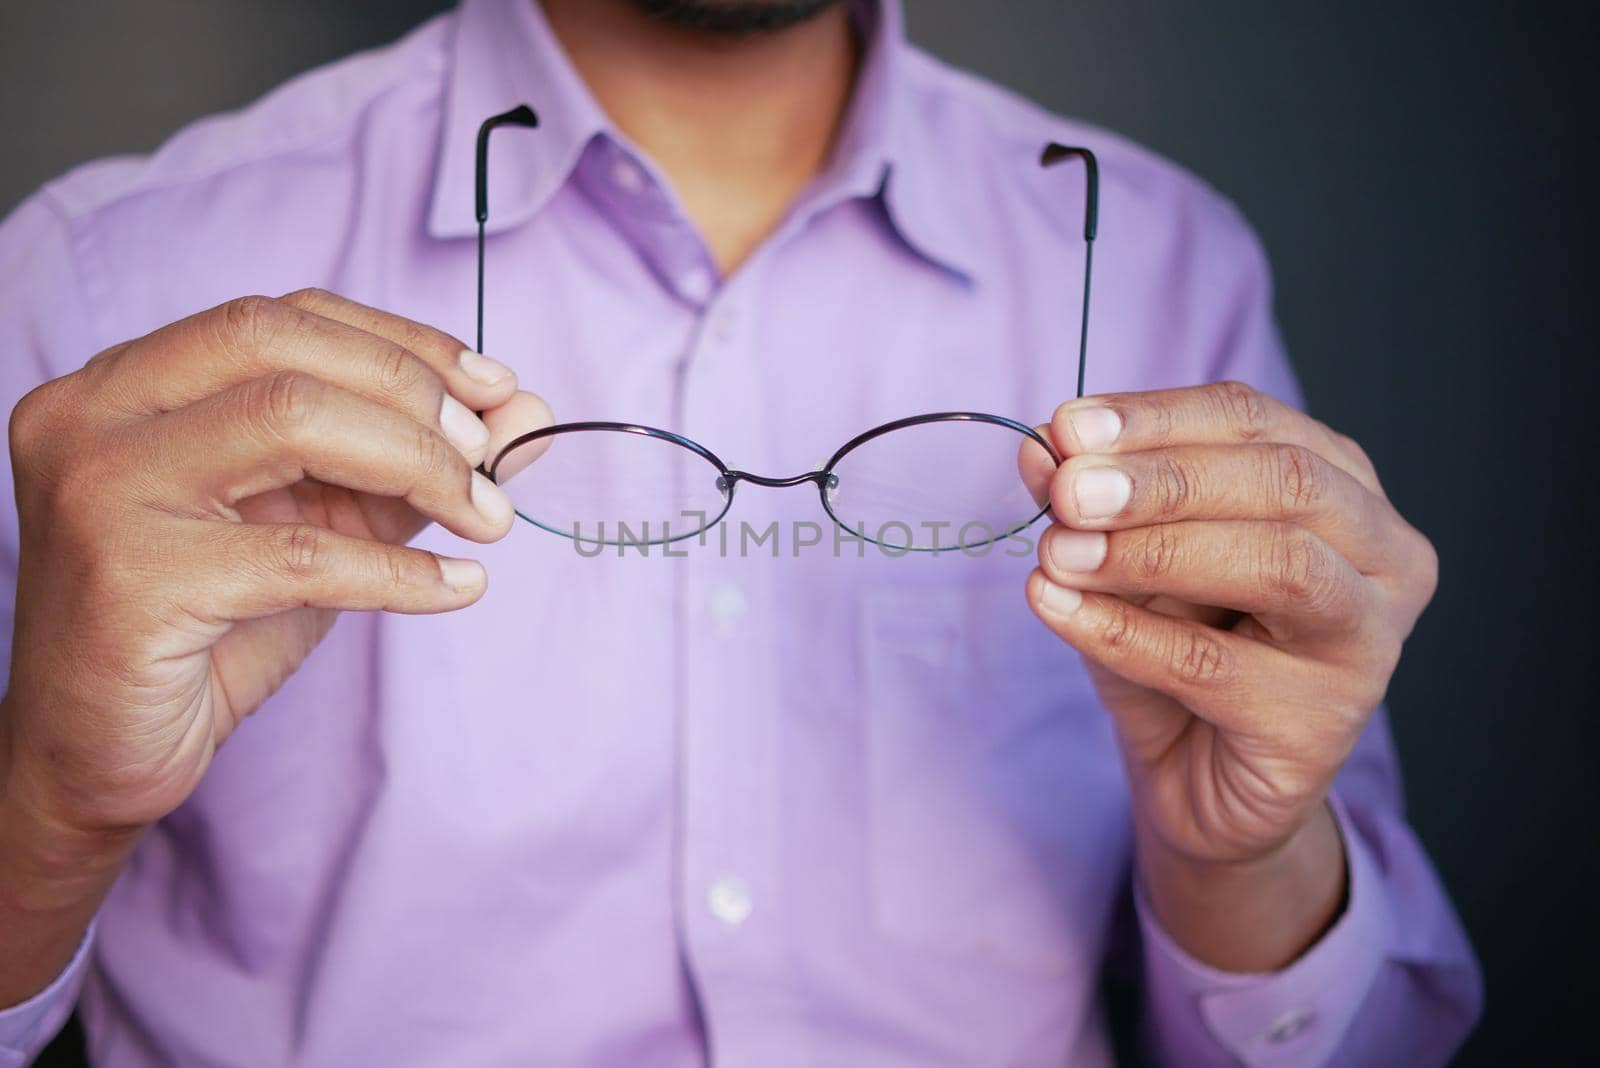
521, 115
1054, 153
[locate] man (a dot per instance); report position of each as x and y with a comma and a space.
807, 808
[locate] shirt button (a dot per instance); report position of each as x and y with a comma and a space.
728, 607
695, 284
1289, 1025
627, 175
729, 900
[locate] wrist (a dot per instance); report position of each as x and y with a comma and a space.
1249, 915
53, 877
47, 862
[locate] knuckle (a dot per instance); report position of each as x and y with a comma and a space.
298, 549
398, 374
310, 298
1156, 554
1174, 486
1429, 568
1118, 631
1162, 422
1353, 449
1300, 478
398, 567
73, 492
404, 380
285, 402
56, 419
248, 321
1355, 693
33, 419
1195, 657
1300, 571
1242, 407
102, 360
417, 338
1424, 571
433, 456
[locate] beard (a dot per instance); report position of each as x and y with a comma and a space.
734, 17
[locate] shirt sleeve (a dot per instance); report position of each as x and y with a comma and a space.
1394, 981
27, 1028
44, 331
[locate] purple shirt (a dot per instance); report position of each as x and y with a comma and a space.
803, 809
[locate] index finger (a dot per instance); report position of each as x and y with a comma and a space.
251, 337
1219, 413
474, 379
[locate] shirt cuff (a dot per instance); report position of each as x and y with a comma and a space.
1296, 1016
28, 1027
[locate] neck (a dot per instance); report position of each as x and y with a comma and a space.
739, 124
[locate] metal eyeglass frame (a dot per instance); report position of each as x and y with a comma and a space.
824, 479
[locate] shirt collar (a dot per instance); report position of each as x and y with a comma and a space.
504, 54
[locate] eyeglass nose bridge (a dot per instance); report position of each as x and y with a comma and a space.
823, 480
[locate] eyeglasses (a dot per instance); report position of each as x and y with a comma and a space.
925, 483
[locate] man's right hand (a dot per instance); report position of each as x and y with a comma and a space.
195, 508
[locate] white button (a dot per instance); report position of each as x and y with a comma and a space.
695, 284
1289, 1024
730, 900
728, 607
627, 175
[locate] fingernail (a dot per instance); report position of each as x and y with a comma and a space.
465, 430
480, 368
1077, 550
1095, 428
464, 575
490, 500
1059, 600
1101, 492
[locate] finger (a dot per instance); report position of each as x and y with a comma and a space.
471, 377
486, 386
1278, 482
523, 413
278, 430
1209, 671
1221, 413
1286, 576
255, 336
260, 570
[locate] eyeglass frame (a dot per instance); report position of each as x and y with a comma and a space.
824, 479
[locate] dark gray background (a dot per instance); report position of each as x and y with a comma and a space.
1418, 174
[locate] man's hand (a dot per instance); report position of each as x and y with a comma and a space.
1240, 587
195, 507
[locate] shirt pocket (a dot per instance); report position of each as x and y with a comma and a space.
997, 813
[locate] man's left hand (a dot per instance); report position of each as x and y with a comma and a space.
1240, 586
